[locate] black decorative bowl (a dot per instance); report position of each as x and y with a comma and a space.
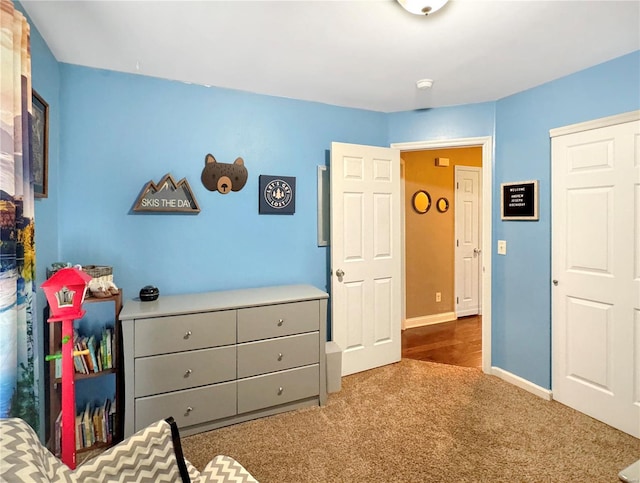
149, 293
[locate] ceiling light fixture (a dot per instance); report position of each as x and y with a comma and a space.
422, 7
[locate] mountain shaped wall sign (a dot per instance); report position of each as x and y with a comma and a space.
167, 196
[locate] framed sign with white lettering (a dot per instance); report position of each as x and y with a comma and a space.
167, 196
519, 200
277, 195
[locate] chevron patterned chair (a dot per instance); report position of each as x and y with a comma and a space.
152, 455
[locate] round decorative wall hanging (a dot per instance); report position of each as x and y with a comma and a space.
421, 201
442, 205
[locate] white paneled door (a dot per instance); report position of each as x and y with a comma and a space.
596, 271
365, 255
467, 249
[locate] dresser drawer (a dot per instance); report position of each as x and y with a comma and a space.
257, 323
278, 388
277, 354
171, 372
188, 407
178, 333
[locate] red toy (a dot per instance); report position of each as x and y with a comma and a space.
65, 292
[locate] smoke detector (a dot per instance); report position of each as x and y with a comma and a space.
423, 84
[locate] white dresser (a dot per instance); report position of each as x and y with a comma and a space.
219, 358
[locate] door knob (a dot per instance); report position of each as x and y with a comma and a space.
555, 282
340, 273
476, 251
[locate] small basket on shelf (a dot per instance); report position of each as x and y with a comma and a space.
96, 271
101, 285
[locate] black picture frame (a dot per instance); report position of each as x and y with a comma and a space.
40, 145
519, 201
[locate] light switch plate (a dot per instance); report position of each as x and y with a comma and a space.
502, 247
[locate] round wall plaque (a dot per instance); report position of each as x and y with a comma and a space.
421, 201
442, 205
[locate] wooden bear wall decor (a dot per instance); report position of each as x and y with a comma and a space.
223, 177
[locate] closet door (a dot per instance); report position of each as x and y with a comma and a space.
596, 272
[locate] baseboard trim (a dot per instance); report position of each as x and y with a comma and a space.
522, 383
429, 320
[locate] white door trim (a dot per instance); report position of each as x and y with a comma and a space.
595, 124
486, 143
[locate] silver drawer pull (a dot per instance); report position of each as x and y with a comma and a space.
189, 409
280, 322
187, 372
279, 356
280, 391
187, 334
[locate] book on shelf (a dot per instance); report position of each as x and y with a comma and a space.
91, 345
79, 362
98, 358
98, 352
58, 434
103, 350
87, 427
97, 425
112, 419
106, 409
94, 424
87, 357
108, 347
78, 428
58, 368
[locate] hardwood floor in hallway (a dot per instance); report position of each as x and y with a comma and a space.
458, 342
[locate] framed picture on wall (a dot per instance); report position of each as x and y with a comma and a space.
277, 195
40, 145
519, 200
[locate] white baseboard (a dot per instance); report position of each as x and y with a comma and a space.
429, 320
522, 383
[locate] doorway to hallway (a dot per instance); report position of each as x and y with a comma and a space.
485, 143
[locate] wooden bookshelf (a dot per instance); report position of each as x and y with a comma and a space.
54, 385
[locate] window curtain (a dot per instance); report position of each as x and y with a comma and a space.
18, 359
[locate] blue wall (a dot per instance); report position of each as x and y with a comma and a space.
467, 121
521, 285
121, 131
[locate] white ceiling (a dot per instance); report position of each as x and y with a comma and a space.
361, 53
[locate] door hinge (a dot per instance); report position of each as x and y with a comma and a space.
457, 243
457, 300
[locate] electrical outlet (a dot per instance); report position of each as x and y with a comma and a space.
438, 296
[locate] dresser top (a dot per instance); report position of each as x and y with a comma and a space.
219, 300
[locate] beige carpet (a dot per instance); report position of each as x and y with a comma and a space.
424, 422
